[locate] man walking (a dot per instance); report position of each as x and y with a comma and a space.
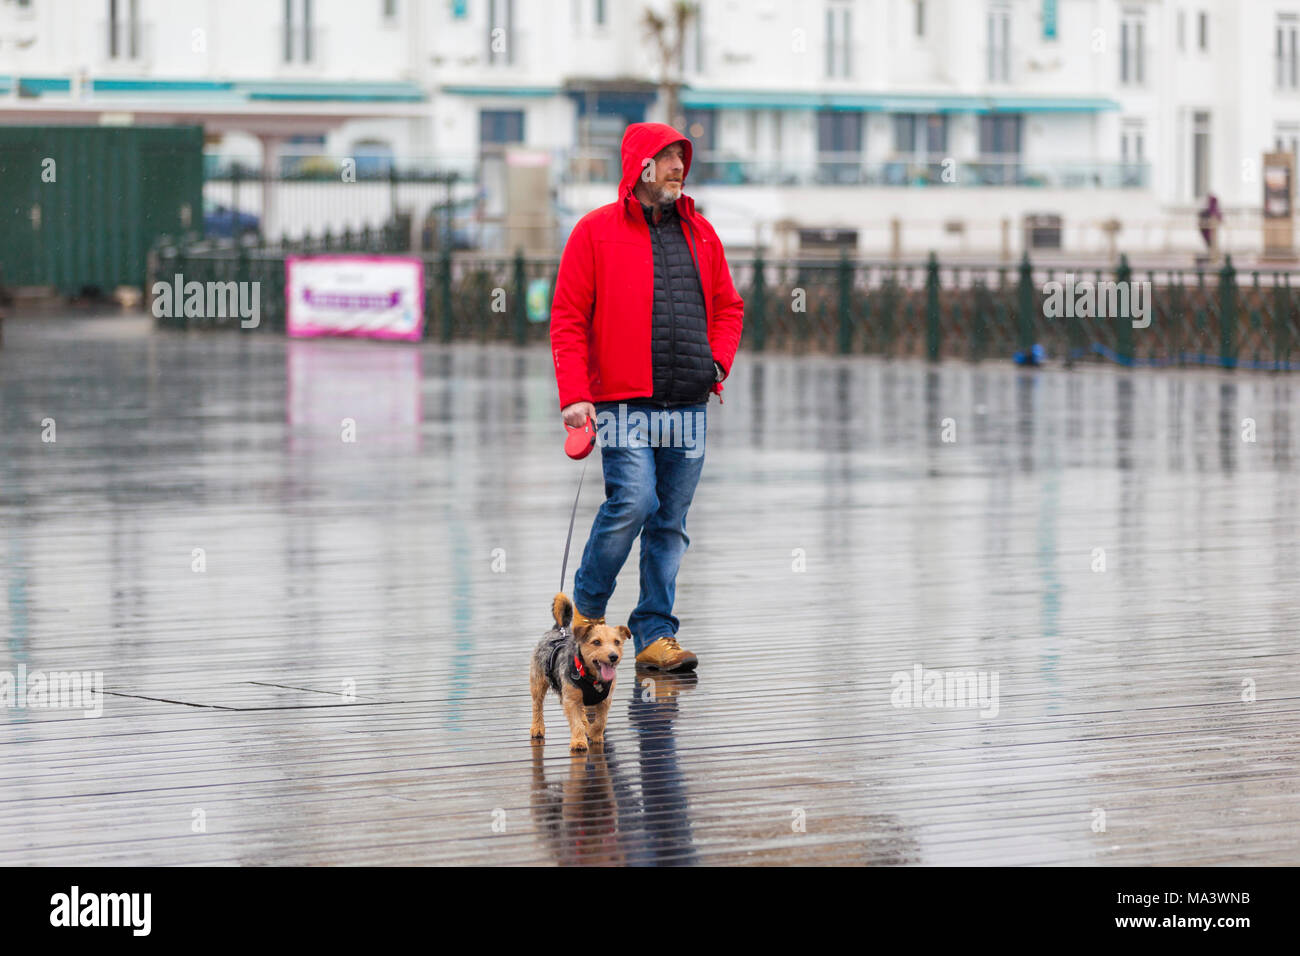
645, 319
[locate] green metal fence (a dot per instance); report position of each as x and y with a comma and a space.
81, 206
923, 309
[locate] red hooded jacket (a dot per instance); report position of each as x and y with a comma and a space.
601, 313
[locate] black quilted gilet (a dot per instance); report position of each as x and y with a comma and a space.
679, 343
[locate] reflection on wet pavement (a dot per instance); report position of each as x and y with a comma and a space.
311, 574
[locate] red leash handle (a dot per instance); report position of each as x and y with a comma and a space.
581, 440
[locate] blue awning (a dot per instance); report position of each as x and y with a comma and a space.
1050, 104
501, 90
891, 102
237, 90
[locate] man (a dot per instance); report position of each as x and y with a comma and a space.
645, 315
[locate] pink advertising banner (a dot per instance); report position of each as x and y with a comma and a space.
380, 297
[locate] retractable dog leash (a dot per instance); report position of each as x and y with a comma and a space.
581, 440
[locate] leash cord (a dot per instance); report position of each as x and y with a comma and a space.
564, 568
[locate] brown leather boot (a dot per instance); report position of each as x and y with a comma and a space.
666, 654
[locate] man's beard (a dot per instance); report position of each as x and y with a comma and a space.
664, 196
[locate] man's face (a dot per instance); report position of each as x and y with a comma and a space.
669, 168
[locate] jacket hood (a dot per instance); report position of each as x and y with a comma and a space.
643, 141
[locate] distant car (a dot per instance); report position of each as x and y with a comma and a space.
470, 230
222, 222
457, 226
309, 167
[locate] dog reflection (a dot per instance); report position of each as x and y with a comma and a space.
577, 816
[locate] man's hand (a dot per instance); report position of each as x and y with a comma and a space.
576, 414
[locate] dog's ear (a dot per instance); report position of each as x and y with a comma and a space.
627, 635
581, 632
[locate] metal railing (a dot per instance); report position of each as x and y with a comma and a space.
923, 309
310, 194
849, 169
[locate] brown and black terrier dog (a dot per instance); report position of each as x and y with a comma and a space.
578, 664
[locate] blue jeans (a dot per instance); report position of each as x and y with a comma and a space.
650, 478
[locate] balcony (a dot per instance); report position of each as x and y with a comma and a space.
848, 169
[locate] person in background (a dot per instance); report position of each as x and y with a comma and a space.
1209, 219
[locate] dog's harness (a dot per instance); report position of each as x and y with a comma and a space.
593, 691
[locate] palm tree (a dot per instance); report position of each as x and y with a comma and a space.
668, 33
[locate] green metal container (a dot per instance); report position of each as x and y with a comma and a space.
80, 206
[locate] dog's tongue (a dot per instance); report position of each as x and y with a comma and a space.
606, 673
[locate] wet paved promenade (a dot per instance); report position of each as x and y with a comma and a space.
345, 681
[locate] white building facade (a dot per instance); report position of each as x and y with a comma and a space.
912, 124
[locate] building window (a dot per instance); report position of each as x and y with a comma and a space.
839, 31
374, 158
1200, 154
920, 17
298, 152
839, 146
599, 137
501, 127
936, 135
905, 133
298, 36
1203, 31
693, 55
501, 40
1132, 48
999, 44
1285, 60
1000, 134
598, 12
920, 143
1000, 148
920, 135
701, 128
1288, 141
1131, 142
1132, 152
123, 30
390, 10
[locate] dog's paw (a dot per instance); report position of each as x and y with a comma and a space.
537, 731
596, 736
577, 746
